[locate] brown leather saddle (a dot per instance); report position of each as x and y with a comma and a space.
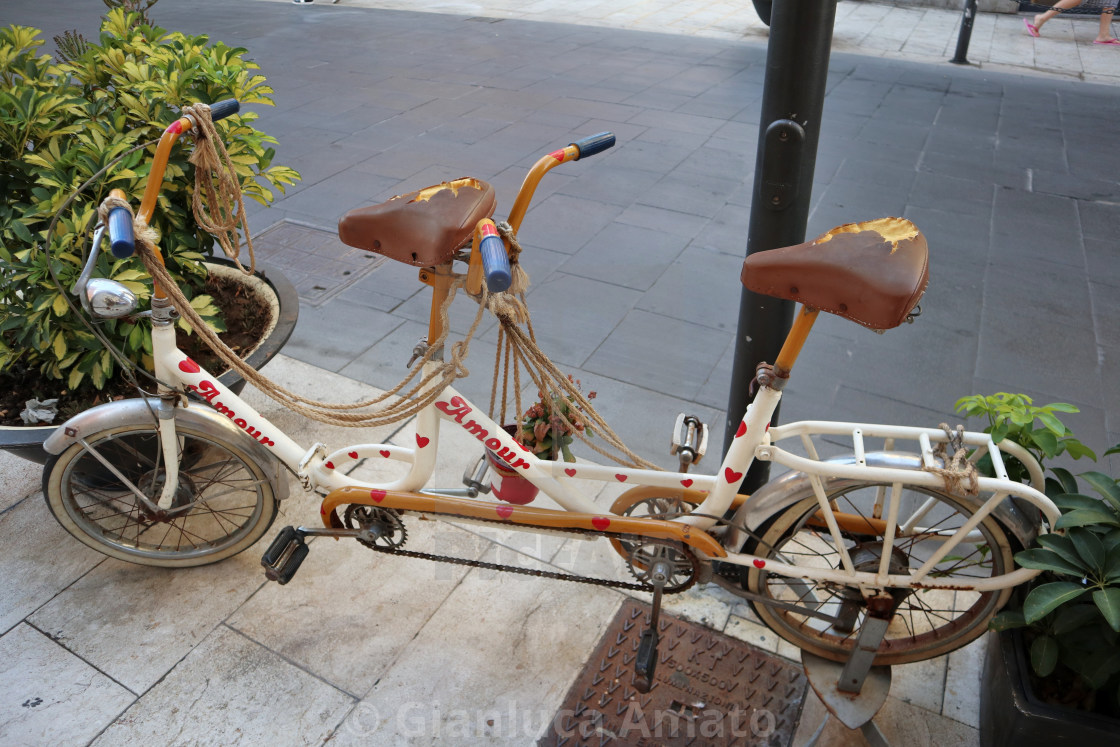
422, 228
872, 273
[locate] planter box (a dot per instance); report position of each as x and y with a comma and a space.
271, 285
1010, 714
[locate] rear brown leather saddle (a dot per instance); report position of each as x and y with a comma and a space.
422, 228
873, 273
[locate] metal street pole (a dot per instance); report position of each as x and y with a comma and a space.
960, 57
789, 129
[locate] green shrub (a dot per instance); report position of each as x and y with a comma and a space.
61, 122
1071, 611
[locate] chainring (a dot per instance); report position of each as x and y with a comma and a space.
684, 567
385, 523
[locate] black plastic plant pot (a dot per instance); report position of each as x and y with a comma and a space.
270, 285
1011, 715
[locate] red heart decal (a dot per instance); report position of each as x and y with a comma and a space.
422, 441
600, 523
732, 476
330, 465
686, 483
377, 495
353, 455
759, 563
569, 472
188, 366
620, 478
742, 429
384, 453
504, 511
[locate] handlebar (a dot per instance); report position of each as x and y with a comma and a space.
223, 109
593, 144
121, 240
495, 261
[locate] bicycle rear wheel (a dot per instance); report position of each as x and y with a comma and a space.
223, 505
927, 622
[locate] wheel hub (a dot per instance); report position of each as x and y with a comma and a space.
866, 557
151, 484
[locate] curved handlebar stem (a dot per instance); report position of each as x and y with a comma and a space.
159, 165
589, 146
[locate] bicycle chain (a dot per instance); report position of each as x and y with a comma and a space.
558, 575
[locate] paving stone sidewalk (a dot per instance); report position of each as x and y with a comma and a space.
634, 258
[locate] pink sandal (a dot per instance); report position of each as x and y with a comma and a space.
1110, 42
1031, 28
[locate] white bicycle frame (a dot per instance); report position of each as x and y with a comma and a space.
319, 470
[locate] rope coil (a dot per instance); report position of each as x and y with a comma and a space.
960, 474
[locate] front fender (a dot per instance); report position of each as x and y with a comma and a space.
792, 487
137, 411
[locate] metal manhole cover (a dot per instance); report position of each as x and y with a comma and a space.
709, 689
316, 262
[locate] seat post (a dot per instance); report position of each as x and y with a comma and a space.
795, 340
440, 278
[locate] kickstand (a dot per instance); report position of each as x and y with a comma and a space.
646, 661
853, 692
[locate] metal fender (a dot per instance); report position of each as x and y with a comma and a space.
792, 487
137, 411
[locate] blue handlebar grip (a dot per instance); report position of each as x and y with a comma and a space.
495, 263
589, 146
121, 240
223, 109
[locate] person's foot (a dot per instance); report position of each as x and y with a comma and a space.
1031, 28
1109, 42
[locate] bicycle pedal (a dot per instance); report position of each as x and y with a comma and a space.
690, 440
646, 661
284, 556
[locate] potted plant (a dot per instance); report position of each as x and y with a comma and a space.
1052, 670
546, 429
61, 121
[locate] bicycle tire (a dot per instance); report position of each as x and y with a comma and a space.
232, 501
927, 622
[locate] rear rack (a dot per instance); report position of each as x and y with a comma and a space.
912, 440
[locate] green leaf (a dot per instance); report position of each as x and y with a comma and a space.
1074, 616
1045, 598
1108, 602
1044, 655
1104, 485
1097, 669
1008, 619
1061, 545
1047, 560
1078, 450
1046, 441
1070, 501
1089, 546
1081, 517
1051, 422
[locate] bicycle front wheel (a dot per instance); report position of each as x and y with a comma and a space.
224, 502
926, 622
